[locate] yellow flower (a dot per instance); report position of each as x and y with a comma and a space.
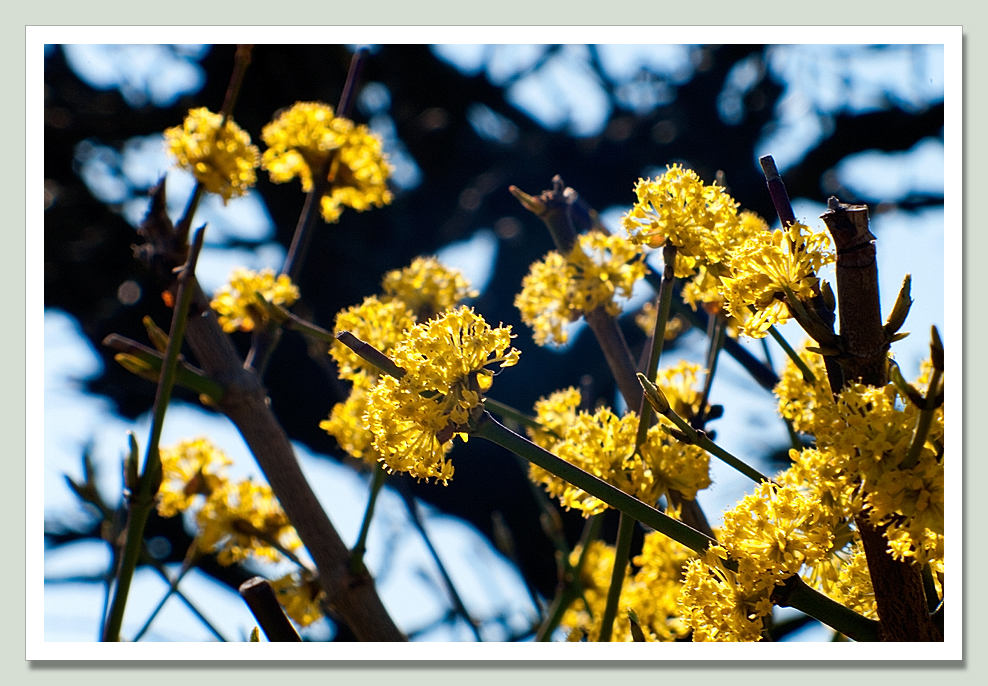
346, 424
302, 139
236, 304
654, 591
299, 593
427, 287
583, 620
242, 519
798, 398
380, 324
446, 364
772, 533
767, 264
678, 207
223, 161
704, 285
554, 414
559, 290
716, 606
188, 469
359, 175
674, 465
604, 445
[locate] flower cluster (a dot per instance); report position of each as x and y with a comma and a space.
769, 268
236, 303
236, 520
410, 295
701, 221
446, 362
308, 138
679, 208
426, 287
243, 519
771, 534
189, 469
300, 594
558, 289
863, 437
718, 608
651, 593
604, 445
221, 158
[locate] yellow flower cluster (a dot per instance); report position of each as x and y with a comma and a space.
651, 593
701, 220
382, 324
412, 294
427, 288
715, 606
582, 620
236, 303
679, 208
870, 431
222, 160
243, 519
446, 362
765, 267
303, 138
190, 468
604, 445
771, 534
705, 286
299, 593
863, 437
236, 520
558, 290
654, 591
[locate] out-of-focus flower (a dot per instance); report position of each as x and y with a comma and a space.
222, 159
236, 303
302, 139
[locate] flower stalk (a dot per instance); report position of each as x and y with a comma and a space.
141, 501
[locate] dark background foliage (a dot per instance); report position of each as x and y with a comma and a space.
464, 187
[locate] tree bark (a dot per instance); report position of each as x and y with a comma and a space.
902, 609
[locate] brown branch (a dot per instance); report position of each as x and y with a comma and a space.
899, 593
245, 403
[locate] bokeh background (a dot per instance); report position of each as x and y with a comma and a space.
461, 123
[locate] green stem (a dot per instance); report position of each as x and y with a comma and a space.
142, 502
922, 424
795, 593
357, 555
489, 429
508, 412
717, 337
808, 376
645, 411
186, 375
687, 434
622, 550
